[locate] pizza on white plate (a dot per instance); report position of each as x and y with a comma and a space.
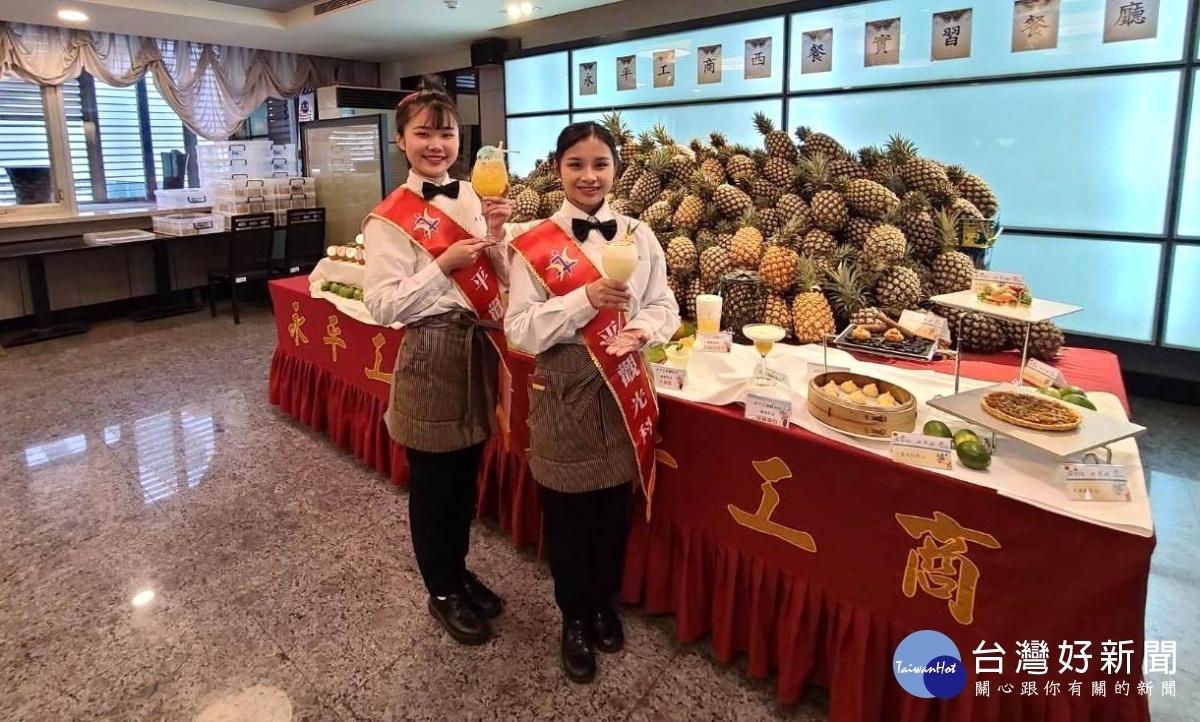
1032, 411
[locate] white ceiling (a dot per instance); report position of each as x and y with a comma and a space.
380, 30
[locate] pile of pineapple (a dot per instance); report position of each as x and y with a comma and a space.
808, 236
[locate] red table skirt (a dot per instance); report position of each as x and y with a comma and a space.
830, 617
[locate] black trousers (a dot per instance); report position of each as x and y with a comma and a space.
585, 539
441, 506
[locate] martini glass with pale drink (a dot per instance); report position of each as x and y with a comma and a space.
764, 336
489, 177
619, 260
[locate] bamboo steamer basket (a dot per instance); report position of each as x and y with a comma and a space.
870, 421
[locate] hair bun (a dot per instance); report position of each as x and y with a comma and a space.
433, 83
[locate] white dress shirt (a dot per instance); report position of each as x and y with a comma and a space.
403, 283
536, 322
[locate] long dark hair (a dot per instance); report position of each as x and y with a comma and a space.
431, 96
577, 132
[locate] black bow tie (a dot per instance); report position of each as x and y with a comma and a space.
433, 190
581, 228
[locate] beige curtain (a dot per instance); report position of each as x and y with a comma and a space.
213, 88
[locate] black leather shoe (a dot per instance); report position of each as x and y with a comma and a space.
578, 654
606, 626
485, 600
461, 620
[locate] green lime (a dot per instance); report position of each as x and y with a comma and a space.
973, 455
1072, 391
1079, 401
1050, 391
964, 435
937, 428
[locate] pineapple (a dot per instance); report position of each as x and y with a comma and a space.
731, 201
743, 299
847, 291
769, 222
812, 143
953, 270
622, 134
868, 198
847, 168
1045, 340
747, 248
777, 142
740, 167
818, 244
788, 234
974, 189
779, 171
777, 313
650, 183
629, 178
658, 216
790, 205
924, 237
682, 256
812, 315
866, 316
979, 333
920, 174
885, 246
778, 268
763, 192
681, 167
620, 206
879, 167
714, 170
720, 146
967, 209
527, 204
552, 202
714, 265
691, 211
857, 229
829, 211
898, 288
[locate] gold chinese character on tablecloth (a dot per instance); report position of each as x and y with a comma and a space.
333, 337
771, 471
295, 328
940, 566
376, 372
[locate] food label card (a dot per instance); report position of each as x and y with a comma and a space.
768, 410
816, 369
1095, 482
920, 450
1042, 374
924, 325
668, 377
982, 279
715, 342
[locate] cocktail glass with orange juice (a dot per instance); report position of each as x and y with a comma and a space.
764, 336
489, 177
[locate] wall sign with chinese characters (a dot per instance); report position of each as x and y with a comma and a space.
587, 79
758, 58
1130, 20
817, 47
882, 46
627, 72
664, 69
952, 35
708, 64
1035, 25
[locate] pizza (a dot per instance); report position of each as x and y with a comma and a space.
1032, 411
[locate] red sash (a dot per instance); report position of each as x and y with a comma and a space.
561, 266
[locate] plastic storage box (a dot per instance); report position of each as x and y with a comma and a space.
185, 198
189, 224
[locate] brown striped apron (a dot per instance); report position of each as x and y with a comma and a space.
444, 388
577, 437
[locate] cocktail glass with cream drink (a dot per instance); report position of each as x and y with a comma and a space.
764, 337
619, 260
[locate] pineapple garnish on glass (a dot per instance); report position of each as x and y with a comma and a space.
489, 177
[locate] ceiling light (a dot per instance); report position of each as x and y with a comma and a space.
72, 16
518, 10
143, 598
514, 12
526, 8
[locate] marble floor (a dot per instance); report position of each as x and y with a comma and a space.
166, 555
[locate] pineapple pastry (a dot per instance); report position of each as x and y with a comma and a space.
858, 398
860, 333
831, 390
871, 391
849, 387
887, 401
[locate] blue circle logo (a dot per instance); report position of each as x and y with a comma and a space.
927, 664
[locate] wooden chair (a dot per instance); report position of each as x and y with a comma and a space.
251, 238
